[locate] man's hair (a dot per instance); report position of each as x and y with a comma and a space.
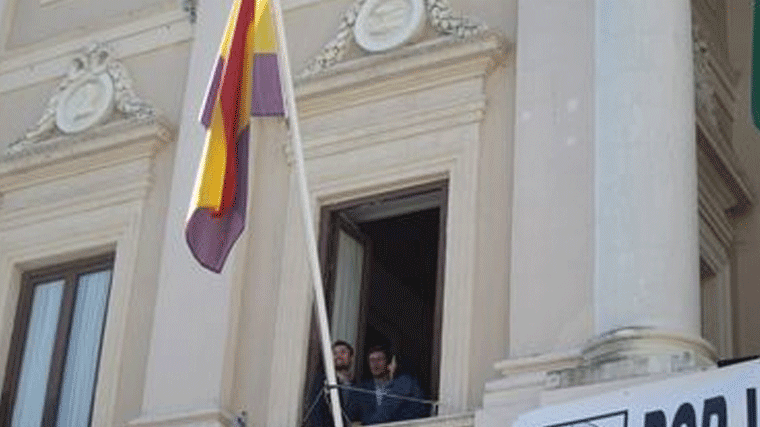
344, 344
383, 349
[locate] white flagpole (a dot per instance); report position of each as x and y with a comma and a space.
306, 215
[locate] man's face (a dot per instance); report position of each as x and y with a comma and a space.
378, 364
342, 357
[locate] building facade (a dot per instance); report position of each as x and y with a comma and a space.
531, 201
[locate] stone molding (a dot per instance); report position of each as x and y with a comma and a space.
433, 64
704, 87
488, 48
530, 373
395, 128
637, 340
202, 418
723, 189
34, 65
724, 193
191, 8
429, 65
414, 115
618, 355
94, 67
466, 419
440, 17
122, 150
635, 352
78, 196
69, 147
540, 363
611, 361
715, 228
449, 153
724, 159
714, 83
720, 198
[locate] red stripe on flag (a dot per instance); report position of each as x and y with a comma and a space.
230, 98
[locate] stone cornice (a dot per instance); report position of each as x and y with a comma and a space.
68, 175
66, 155
540, 363
724, 159
396, 127
410, 68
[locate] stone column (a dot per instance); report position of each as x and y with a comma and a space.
552, 254
646, 272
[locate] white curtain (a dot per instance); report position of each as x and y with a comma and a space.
348, 281
35, 365
84, 345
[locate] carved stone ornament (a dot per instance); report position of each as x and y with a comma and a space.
381, 25
85, 103
191, 8
95, 90
385, 24
704, 86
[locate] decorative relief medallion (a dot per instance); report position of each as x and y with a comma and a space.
385, 24
85, 104
381, 25
95, 89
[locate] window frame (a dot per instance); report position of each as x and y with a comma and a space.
69, 273
330, 221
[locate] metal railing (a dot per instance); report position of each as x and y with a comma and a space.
324, 394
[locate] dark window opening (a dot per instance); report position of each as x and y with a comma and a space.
402, 287
382, 260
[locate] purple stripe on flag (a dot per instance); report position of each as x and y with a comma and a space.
211, 236
267, 92
213, 88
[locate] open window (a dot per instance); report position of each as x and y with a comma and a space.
382, 260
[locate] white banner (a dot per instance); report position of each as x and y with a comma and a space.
725, 397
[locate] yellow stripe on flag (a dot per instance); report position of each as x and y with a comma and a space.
213, 165
265, 41
224, 48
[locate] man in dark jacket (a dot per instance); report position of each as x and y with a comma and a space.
343, 358
383, 397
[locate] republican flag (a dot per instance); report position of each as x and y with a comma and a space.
245, 82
